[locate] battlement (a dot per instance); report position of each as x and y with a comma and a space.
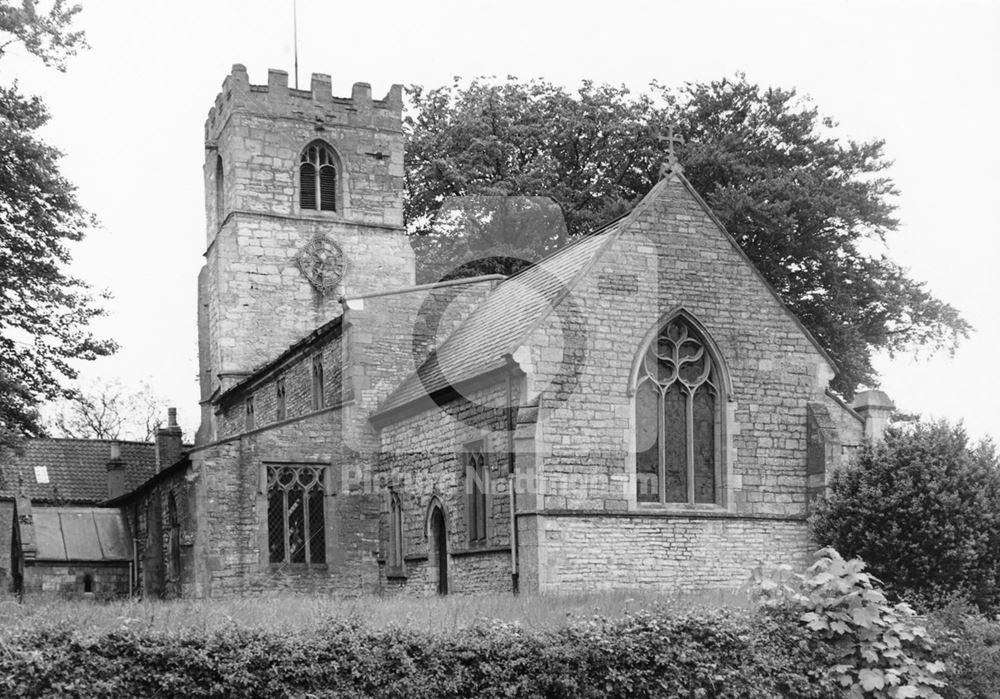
277, 99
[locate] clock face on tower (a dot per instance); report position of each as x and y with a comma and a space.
322, 262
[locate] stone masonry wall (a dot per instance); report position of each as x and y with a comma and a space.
851, 427
232, 534
423, 460
386, 337
261, 130
297, 373
363, 359
158, 574
671, 256
674, 553
66, 580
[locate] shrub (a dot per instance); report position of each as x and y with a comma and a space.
880, 650
718, 655
922, 509
969, 644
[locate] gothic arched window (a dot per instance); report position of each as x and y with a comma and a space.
395, 559
678, 410
318, 178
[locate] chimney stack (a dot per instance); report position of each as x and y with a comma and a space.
116, 472
168, 442
876, 408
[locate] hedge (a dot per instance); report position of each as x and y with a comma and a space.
722, 654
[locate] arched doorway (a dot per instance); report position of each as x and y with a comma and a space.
439, 548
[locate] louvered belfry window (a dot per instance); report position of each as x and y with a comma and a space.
296, 530
678, 420
318, 178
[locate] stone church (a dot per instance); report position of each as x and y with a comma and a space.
637, 410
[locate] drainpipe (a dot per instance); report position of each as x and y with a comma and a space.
511, 482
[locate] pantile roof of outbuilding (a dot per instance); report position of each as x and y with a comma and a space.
76, 469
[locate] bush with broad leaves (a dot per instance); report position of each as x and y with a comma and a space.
880, 648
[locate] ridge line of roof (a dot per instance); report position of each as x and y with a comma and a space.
422, 287
185, 459
88, 440
573, 242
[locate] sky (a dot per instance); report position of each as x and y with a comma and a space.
129, 116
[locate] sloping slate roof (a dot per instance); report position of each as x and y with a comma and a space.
77, 469
503, 320
80, 534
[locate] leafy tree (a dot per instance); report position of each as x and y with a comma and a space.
44, 312
484, 234
594, 154
923, 510
45, 34
804, 204
108, 410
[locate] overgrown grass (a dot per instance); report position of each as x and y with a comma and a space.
429, 614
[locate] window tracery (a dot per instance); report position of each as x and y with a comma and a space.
295, 514
318, 178
678, 419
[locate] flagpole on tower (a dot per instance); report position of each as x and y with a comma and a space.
295, 39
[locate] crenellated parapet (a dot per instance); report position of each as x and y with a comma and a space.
277, 99
276, 261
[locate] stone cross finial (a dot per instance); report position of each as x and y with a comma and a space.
672, 164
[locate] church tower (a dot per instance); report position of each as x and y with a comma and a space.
304, 204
